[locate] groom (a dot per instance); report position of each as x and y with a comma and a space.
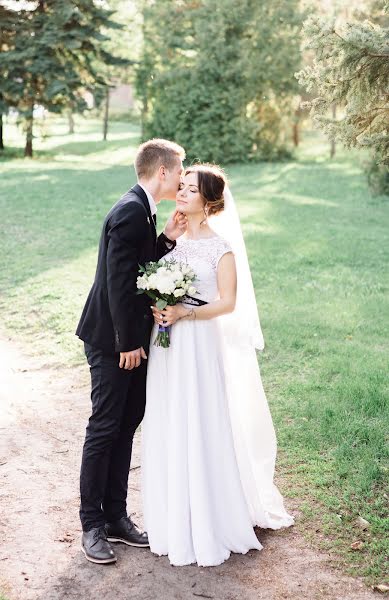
115, 326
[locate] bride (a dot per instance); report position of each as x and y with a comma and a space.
208, 442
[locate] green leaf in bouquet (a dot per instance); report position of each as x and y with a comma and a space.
161, 304
151, 294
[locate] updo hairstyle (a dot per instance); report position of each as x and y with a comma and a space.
211, 184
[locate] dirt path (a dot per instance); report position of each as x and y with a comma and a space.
43, 412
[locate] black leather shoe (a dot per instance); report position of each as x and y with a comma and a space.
127, 532
96, 547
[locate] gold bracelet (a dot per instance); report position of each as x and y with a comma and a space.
191, 314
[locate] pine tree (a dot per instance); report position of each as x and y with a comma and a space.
351, 70
7, 34
58, 47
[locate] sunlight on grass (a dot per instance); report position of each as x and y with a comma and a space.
54, 141
54, 297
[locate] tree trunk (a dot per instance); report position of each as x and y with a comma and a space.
333, 143
296, 132
29, 125
1, 132
144, 111
298, 113
70, 121
106, 115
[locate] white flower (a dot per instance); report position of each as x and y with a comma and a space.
177, 276
185, 269
170, 278
142, 282
178, 293
192, 290
165, 284
153, 281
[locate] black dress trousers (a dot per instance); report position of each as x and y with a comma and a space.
118, 405
116, 319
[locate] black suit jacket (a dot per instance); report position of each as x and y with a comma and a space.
115, 318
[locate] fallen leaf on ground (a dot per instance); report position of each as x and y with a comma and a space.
381, 587
357, 545
362, 523
67, 537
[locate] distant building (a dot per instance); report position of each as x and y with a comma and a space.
121, 99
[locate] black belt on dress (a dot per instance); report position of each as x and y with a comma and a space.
195, 301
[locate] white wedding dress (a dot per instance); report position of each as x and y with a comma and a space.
203, 488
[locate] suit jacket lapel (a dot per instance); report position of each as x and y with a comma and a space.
139, 191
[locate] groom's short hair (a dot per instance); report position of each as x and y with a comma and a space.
156, 153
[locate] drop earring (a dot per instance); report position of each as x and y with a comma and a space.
205, 209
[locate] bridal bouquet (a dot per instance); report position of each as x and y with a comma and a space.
166, 283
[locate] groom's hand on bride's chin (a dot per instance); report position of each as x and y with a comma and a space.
176, 225
132, 359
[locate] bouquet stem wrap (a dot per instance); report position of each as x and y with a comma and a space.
163, 336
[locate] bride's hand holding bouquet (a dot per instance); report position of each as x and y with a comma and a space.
166, 283
171, 314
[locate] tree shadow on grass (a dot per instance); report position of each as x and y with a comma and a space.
7, 154
53, 217
320, 181
81, 148
73, 149
82, 143
53, 220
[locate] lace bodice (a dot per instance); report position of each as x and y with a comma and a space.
203, 257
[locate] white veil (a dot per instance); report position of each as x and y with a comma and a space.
252, 425
243, 324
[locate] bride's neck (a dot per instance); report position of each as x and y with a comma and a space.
195, 229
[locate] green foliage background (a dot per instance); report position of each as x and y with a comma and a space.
211, 71
350, 72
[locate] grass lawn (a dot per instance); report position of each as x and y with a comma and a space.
319, 251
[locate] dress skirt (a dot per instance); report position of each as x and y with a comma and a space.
194, 506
